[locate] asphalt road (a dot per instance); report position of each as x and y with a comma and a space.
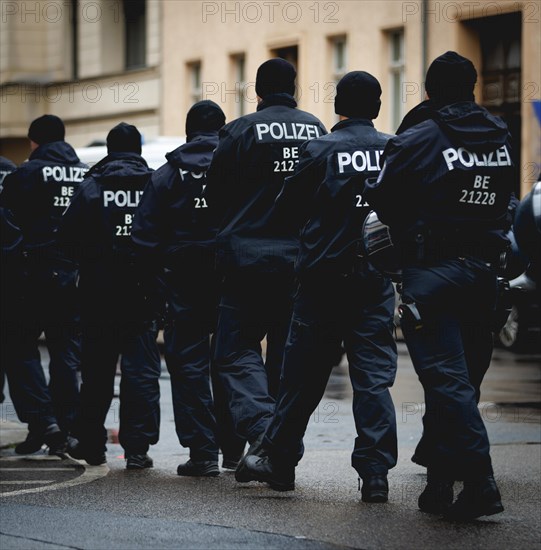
49, 503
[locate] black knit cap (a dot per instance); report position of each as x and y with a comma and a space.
358, 96
451, 78
275, 76
124, 138
46, 129
204, 116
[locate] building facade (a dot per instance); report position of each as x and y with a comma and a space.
147, 61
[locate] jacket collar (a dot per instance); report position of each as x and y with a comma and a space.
352, 122
271, 100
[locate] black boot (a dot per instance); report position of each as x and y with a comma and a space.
32, 444
478, 498
56, 440
199, 468
78, 451
279, 477
138, 461
255, 449
375, 489
438, 494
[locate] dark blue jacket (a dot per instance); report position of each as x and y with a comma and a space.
447, 183
255, 154
95, 232
39, 191
325, 194
6, 167
174, 222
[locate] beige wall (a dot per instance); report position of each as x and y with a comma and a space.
36, 62
35, 53
211, 35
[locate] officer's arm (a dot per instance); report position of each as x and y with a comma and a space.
390, 194
298, 189
221, 175
147, 231
9, 197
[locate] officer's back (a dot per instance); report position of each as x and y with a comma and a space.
325, 195
39, 191
97, 228
255, 154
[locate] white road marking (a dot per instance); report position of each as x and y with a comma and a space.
28, 482
90, 473
74, 469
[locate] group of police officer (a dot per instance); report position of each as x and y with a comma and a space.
252, 230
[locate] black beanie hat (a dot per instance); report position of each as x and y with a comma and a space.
124, 138
451, 78
204, 116
46, 129
358, 96
275, 76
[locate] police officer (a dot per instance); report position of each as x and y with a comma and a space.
341, 297
27, 387
37, 194
444, 190
6, 167
174, 227
256, 247
118, 309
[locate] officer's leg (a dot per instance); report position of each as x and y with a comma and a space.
187, 353
313, 340
455, 439
100, 350
27, 381
139, 391
27, 384
237, 356
62, 333
64, 345
477, 329
372, 356
277, 332
231, 444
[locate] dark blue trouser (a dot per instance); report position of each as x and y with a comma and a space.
103, 342
451, 353
49, 307
202, 423
253, 305
27, 385
358, 310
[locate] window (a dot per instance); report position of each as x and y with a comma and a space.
339, 57
396, 46
194, 82
339, 63
239, 78
500, 39
135, 23
291, 54
74, 25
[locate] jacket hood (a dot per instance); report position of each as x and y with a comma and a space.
465, 122
120, 165
56, 151
196, 154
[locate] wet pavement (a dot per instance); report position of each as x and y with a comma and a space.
107, 506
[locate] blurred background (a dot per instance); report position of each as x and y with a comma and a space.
95, 63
